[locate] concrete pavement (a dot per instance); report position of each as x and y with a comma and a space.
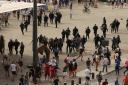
80, 20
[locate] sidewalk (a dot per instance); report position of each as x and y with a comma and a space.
111, 68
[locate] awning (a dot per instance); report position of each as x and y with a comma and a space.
7, 6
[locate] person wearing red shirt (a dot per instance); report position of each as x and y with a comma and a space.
105, 82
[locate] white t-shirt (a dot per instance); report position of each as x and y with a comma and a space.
13, 67
87, 73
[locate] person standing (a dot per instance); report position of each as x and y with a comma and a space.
22, 28
87, 32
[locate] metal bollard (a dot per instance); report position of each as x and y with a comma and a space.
65, 83
79, 81
72, 82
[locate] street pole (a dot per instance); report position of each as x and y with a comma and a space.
35, 53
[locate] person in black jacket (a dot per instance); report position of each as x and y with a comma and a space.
67, 32
22, 28
16, 44
59, 15
10, 46
104, 29
45, 20
63, 34
26, 23
51, 16
87, 32
39, 17
96, 40
95, 28
21, 49
75, 31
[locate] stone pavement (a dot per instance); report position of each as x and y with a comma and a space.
80, 20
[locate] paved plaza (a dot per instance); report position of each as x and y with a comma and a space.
81, 21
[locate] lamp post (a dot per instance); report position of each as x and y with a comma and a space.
35, 53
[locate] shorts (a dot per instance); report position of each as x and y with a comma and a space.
13, 72
65, 73
87, 78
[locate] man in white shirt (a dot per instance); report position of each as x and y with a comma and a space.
13, 69
87, 75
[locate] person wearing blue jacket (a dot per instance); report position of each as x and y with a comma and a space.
117, 66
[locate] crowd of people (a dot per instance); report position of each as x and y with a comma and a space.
101, 57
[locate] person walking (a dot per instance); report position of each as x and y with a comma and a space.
56, 20
127, 24
56, 81
88, 63
13, 68
21, 49
117, 66
21, 80
117, 81
105, 82
45, 20
16, 45
104, 29
51, 16
22, 28
99, 78
125, 80
126, 66
87, 76
26, 23
10, 46
105, 64
95, 28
